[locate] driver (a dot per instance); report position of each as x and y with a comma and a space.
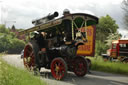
41, 56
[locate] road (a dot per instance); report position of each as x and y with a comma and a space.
95, 78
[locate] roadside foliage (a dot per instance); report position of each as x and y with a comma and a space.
9, 42
10, 75
107, 26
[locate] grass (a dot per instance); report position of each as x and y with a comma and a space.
99, 64
10, 75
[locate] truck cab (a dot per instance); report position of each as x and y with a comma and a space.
119, 50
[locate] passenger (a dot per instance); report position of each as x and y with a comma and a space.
41, 57
41, 41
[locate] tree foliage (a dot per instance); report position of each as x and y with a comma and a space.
9, 42
106, 27
125, 8
16, 46
3, 29
111, 37
100, 48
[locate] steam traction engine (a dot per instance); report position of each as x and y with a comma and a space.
66, 40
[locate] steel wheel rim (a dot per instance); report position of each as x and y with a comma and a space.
28, 57
80, 67
58, 69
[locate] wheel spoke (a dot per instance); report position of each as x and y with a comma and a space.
59, 64
62, 69
30, 54
58, 68
29, 51
80, 67
57, 72
28, 57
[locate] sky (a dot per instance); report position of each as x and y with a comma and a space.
22, 12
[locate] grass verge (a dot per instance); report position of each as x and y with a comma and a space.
10, 75
106, 66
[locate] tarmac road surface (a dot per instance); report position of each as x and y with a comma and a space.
95, 78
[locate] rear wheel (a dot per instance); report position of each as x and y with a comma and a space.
29, 57
80, 66
58, 68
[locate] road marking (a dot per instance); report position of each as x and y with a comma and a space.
119, 79
115, 83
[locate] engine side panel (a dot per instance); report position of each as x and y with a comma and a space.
88, 49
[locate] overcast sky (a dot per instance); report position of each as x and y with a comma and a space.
22, 12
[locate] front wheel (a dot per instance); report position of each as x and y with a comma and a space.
80, 66
58, 68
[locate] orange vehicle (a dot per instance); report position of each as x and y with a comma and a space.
66, 40
119, 50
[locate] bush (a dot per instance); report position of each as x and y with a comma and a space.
16, 46
10, 44
100, 48
4, 43
3, 29
9, 41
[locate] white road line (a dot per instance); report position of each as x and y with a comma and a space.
115, 83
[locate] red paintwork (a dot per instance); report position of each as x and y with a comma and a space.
123, 41
117, 42
28, 52
80, 66
94, 38
61, 71
113, 50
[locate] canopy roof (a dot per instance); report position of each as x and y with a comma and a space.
58, 21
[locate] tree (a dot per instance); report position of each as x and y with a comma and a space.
3, 29
111, 37
100, 48
125, 8
9, 42
4, 43
106, 26
16, 46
